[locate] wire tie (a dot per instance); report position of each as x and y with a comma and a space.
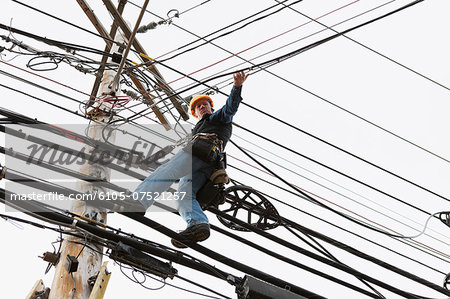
74, 223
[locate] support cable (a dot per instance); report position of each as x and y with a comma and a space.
111, 236
423, 226
339, 227
291, 261
332, 169
337, 265
368, 48
231, 31
322, 177
312, 199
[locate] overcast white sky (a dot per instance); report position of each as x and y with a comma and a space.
339, 73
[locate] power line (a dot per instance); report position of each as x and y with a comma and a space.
348, 197
41, 100
334, 264
69, 23
314, 200
432, 253
369, 48
34, 139
290, 261
229, 32
344, 150
332, 169
29, 205
38, 225
308, 47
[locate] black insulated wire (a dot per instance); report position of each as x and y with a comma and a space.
371, 49
338, 265
291, 262
330, 168
229, 32
339, 227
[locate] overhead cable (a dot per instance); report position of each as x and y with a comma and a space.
311, 198
283, 202
338, 265
369, 48
265, 250
325, 206
328, 188
334, 170
356, 201
229, 32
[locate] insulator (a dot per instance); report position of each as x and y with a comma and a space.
131, 93
145, 28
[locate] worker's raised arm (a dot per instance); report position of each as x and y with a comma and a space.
226, 113
239, 78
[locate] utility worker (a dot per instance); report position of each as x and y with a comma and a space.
195, 163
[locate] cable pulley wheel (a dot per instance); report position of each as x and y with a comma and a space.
248, 205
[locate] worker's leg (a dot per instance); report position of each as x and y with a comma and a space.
163, 177
197, 223
188, 207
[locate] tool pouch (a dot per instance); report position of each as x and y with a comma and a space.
203, 148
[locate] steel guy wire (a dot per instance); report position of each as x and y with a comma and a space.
371, 49
300, 191
203, 38
356, 201
324, 178
282, 202
405, 241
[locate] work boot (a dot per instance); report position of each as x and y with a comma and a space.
194, 233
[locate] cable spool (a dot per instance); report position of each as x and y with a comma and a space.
247, 204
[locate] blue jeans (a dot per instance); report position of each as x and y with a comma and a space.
193, 174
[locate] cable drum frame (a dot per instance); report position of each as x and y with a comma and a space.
258, 210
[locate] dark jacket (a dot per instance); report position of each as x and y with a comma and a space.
219, 122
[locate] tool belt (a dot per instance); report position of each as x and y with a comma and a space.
205, 146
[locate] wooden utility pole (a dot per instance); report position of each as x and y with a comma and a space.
76, 284
67, 282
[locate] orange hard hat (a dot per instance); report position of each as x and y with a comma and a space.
197, 98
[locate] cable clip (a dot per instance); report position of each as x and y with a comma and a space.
445, 218
447, 281
74, 223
